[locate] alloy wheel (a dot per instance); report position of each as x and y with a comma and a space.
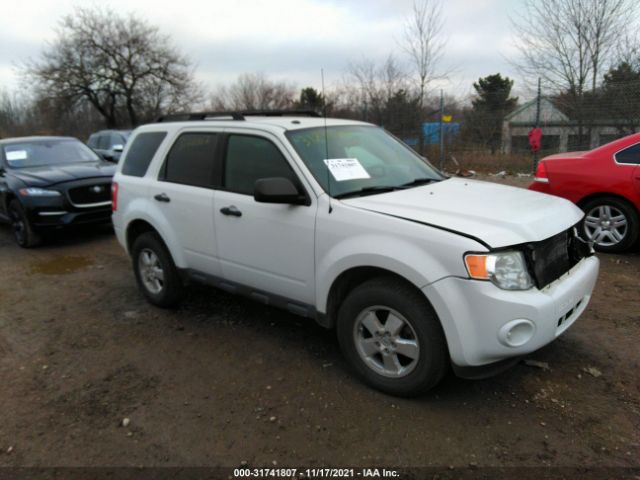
605, 225
386, 341
151, 271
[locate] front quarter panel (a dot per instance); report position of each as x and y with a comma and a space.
350, 237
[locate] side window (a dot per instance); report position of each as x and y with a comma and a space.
93, 141
103, 142
115, 139
190, 160
141, 152
250, 158
630, 155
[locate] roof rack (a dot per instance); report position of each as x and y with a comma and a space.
235, 115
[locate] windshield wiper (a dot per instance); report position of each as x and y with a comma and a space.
418, 181
368, 191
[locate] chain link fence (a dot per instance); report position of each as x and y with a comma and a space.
492, 136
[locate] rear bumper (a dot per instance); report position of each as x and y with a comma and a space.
541, 187
484, 324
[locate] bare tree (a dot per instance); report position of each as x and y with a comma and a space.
570, 43
12, 113
254, 91
122, 65
628, 49
371, 86
423, 42
608, 22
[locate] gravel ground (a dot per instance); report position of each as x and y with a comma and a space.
222, 380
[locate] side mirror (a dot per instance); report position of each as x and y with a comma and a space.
118, 148
277, 190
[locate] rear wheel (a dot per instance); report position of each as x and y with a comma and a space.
610, 223
23, 232
392, 338
155, 272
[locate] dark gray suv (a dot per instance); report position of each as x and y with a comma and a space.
109, 143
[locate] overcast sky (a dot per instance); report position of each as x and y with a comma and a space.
286, 39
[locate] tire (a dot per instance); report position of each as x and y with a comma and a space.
602, 224
156, 274
389, 300
23, 232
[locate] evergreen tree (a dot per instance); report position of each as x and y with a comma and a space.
491, 104
311, 99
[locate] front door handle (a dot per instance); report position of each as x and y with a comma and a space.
162, 197
231, 210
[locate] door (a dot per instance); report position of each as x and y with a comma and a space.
183, 197
627, 160
103, 145
4, 189
269, 247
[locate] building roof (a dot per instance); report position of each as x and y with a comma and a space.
525, 114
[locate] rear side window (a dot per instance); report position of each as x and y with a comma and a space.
116, 139
141, 152
190, 160
629, 155
103, 142
93, 141
251, 158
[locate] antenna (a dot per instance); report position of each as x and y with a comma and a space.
326, 138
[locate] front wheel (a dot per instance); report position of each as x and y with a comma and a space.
23, 232
392, 338
610, 223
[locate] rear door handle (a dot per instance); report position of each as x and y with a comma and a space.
231, 210
162, 197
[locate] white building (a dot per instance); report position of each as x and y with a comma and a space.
559, 132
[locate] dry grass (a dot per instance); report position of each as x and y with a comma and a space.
470, 158
488, 163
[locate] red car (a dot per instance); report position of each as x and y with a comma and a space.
605, 183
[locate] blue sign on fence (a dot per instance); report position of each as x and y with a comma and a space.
431, 132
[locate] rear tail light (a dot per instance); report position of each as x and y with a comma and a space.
114, 196
541, 173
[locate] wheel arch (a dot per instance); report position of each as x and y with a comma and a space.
138, 226
135, 229
7, 200
593, 196
349, 279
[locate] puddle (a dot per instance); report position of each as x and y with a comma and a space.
61, 265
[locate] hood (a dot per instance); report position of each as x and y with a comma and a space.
498, 215
47, 176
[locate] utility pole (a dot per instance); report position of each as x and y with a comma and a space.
441, 130
535, 154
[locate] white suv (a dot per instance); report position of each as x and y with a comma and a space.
338, 221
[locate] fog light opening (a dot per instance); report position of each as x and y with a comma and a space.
516, 333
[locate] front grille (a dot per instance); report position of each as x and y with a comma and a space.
551, 258
90, 194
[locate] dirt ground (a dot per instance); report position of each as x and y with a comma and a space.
222, 380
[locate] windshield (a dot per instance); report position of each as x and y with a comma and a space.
40, 153
361, 159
